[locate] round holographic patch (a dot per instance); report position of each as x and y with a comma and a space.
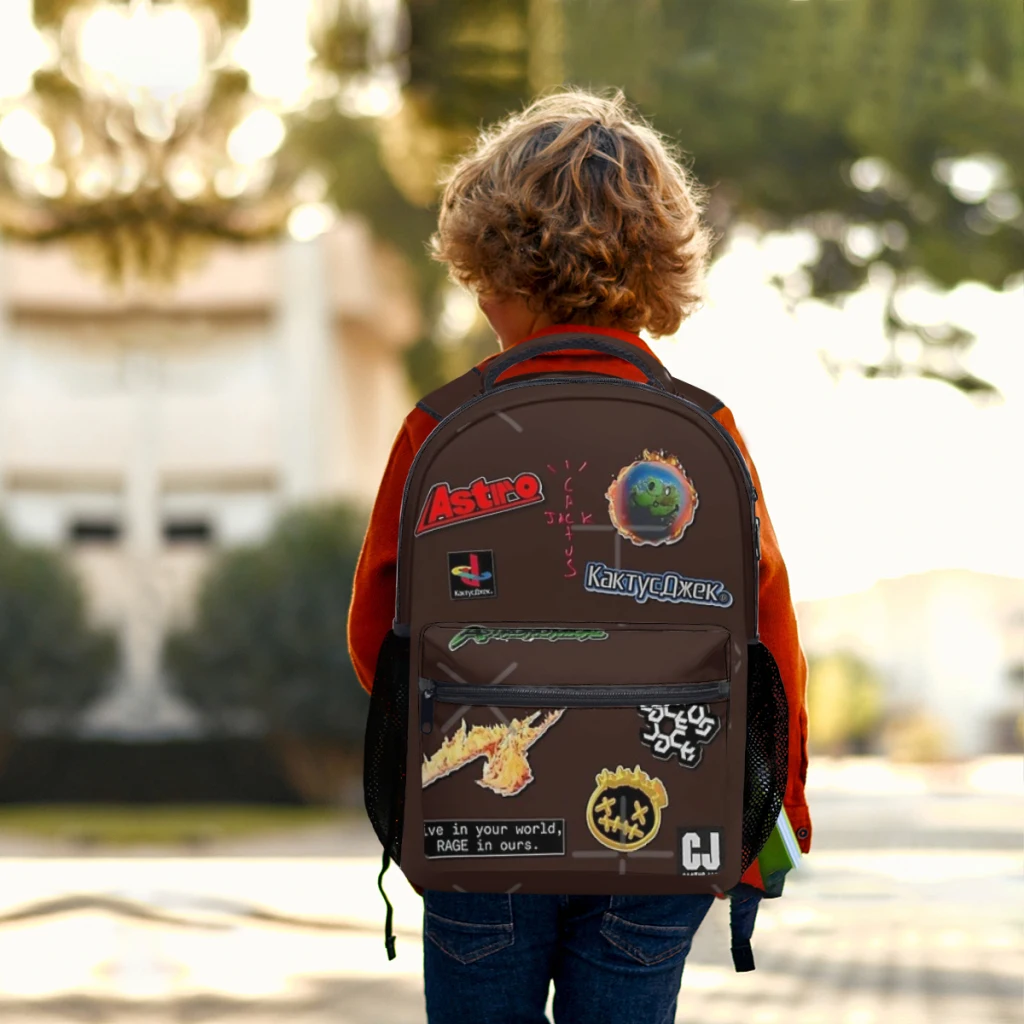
652, 501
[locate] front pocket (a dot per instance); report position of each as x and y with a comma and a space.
672, 723
582, 741
594, 653
433, 692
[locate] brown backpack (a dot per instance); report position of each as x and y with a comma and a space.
573, 698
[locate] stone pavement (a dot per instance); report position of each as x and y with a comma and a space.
908, 912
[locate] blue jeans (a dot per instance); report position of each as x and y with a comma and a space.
614, 959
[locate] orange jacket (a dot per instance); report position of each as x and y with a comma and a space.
373, 594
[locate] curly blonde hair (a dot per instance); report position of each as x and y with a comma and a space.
580, 207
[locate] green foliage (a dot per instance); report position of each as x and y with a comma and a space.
867, 122
53, 663
842, 118
777, 100
270, 632
469, 60
822, 114
844, 704
347, 151
121, 825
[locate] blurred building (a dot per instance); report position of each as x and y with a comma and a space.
142, 432
949, 643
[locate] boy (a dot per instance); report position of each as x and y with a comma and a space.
572, 213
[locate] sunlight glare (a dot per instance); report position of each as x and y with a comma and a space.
971, 179
863, 430
96, 180
25, 137
158, 52
256, 137
310, 220
869, 173
1004, 206
231, 182
863, 242
274, 50
185, 179
50, 181
376, 95
458, 316
22, 49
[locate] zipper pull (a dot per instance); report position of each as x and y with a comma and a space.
426, 706
757, 537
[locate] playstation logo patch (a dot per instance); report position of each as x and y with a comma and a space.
471, 575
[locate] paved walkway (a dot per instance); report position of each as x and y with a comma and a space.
909, 912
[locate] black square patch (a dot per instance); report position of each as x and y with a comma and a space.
471, 574
701, 851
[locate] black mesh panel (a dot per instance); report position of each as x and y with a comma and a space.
767, 751
386, 737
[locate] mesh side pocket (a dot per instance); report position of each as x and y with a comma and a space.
767, 751
387, 729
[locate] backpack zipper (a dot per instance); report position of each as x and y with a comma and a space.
741, 462
432, 692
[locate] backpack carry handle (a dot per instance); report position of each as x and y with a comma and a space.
656, 375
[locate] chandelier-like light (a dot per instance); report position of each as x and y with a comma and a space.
140, 131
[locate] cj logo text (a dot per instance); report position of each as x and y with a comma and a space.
700, 851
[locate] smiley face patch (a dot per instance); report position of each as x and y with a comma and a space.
624, 811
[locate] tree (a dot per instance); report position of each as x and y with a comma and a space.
888, 128
53, 663
844, 704
467, 63
269, 634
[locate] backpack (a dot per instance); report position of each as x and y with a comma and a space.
573, 697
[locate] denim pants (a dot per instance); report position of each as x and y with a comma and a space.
489, 959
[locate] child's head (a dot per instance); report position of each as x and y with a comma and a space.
578, 207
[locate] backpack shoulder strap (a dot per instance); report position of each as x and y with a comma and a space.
704, 399
446, 399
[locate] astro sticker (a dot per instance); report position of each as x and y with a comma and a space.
678, 731
447, 505
701, 851
652, 501
624, 811
471, 575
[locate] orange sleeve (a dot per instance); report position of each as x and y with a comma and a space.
373, 589
778, 629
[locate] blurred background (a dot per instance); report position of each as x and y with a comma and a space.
215, 309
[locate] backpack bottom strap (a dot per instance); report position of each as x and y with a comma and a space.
742, 914
389, 933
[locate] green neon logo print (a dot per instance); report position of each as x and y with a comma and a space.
485, 634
